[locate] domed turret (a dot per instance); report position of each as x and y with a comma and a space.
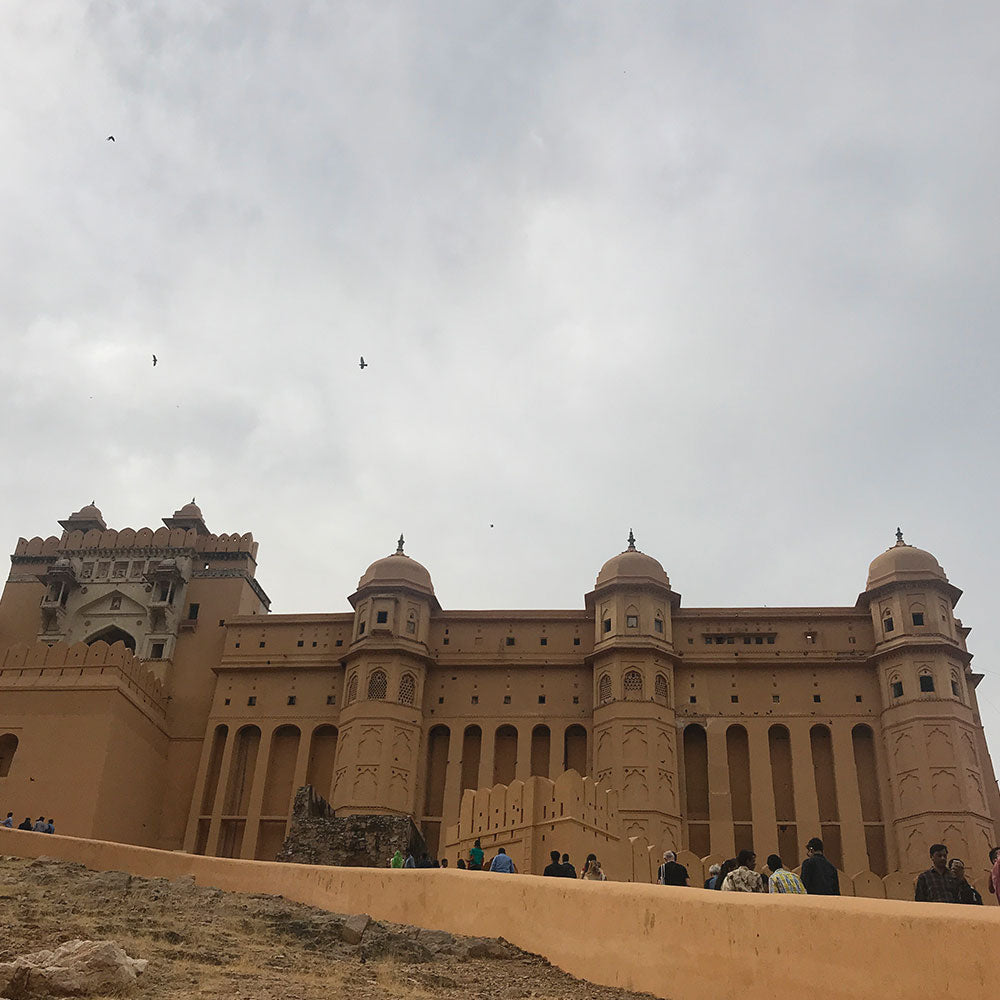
903, 564
397, 570
632, 567
189, 516
85, 519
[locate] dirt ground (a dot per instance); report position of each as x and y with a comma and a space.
208, 943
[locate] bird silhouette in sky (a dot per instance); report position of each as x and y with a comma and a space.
110, 138
364, 364
154, 360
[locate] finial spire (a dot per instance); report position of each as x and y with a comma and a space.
631, 541
899, 537
192, 499
399, 546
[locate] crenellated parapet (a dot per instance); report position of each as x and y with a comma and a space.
66, 667
142, 538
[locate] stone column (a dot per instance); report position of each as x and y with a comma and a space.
765, 822
720, 807
486, 751
248, 849
852, 829
194, 816
804, 781
557, 750
522, 766
212, 847
452, 783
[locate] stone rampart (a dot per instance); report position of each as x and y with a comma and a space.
684, 944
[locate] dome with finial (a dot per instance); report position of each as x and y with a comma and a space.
903, 564
189, 516
87, 517
189, 510
397, 570
632, 566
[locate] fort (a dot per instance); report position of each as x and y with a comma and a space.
148, 697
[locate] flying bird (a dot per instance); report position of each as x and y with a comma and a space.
154, 360
363, 364
110, 138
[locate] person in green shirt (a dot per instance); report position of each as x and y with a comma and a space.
396, 861
476, 856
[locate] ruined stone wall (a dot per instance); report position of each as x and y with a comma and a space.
317, 837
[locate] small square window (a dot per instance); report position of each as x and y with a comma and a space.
506, 699
926, 683
445, 641
440, 701
811, 638
606, 625
770, 640
858, 697
475, 699
291, 699
576, 699
381, 617
193, 610
730, 640
851, 640
301, 642
339, 642
331, 699
747, 639
888, 625
720, 640
631, 621
734, 698
776, 698
541, 699
509, 640
157, 651
262, 644
690, 642
918, 617
237, 645
897, 689
758, 640
817, 698
543, 641
227, 701
576, 640
252, 700
693, 699
708, 640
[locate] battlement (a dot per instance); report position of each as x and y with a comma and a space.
145, 538
62, 666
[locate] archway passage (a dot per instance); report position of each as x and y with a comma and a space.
8, 745
111, 635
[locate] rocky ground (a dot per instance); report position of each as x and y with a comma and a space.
209, 943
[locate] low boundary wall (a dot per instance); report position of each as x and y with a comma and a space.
678, 943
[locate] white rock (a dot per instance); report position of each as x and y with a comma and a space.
76, 968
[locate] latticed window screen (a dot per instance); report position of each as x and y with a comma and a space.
352, 689
633, 685
407, 689
377, 686
661, 687
604, 690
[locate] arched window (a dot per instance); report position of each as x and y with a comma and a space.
111, 635
8, 745
895, 686
604, 690
887, 623
660, 688
632, 685
352, 690
407, 689
956, 685
377, 685
411, 623
926, 680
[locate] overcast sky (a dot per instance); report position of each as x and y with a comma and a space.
722, 273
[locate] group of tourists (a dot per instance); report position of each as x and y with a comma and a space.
945, 881
41, 825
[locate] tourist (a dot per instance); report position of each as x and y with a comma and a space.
936, 885
50, 827
727, 866
671, 872
9, 821
410, 862
995, 873
781, 879
26, 825
443, 863
554, 869
425, 861
39, 826
593, 872
819, 876
568, 871
461, 864
713, 876
743, 878
590, 859
503, 863
396, 861
967, 893
476, 856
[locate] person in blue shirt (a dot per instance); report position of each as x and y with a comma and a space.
9, 821
503, 863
